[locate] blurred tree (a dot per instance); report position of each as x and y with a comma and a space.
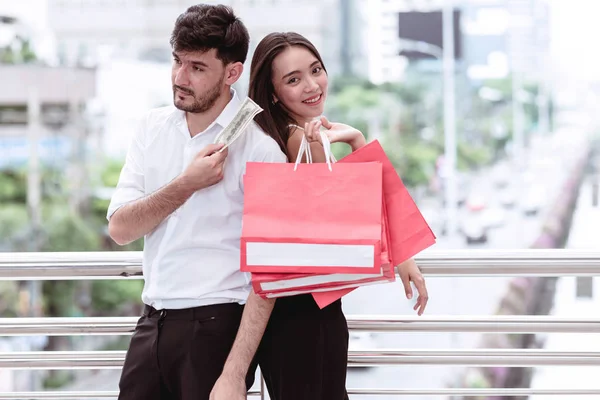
13, 186
7, 56
14, 223
120, 297
19, 51
27, 53
9, 300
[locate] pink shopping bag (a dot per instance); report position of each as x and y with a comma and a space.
312, 219
409, 233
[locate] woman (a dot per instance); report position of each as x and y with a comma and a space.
304, 351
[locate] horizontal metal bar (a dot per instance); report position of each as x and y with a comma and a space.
471, 323
71, 395
473, 392
405, 392
381, 323
480, 357
70, 265
72, 326
114, 265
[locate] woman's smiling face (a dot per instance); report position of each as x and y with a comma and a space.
300, 83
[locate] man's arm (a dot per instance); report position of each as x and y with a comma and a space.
252, 327
231, 385
137, 218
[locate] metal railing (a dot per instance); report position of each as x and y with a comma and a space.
119, 265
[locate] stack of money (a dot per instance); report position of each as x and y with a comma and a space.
248, 110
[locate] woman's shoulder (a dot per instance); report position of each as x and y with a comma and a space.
295, 135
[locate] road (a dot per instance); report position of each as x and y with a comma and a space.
570, 304
460, 296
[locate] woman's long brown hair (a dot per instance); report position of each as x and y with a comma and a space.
274, 119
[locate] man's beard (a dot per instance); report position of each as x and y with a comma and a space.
202, 103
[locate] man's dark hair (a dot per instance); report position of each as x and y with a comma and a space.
203, 27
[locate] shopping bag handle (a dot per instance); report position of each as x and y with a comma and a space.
305, 150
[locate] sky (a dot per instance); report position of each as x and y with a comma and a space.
574, 30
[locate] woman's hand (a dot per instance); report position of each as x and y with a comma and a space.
336, 132
410, 272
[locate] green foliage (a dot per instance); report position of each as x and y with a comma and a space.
65, 231
18, 52
9, 299
414, 161
409, 94
7, 56
27, 53
13, 221
109, 297
340, 150
58, 379
342, 82
504, 86
409, 118
469, 157
110, 173
13, 186
59, 298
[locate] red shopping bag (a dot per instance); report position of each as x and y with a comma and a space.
409, 232
312, 219
265, 283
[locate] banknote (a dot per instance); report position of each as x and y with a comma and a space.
247, 111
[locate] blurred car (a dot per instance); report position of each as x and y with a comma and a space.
474, 230
533, 201
361, 341
508, 198
493, 217
501, 175
436, 220
476, 202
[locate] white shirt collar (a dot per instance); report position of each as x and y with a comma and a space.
229, 111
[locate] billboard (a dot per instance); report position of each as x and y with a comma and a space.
428, 27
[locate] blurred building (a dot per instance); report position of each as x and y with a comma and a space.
494, 36
47, 101
92, 29
380, 37
11, 28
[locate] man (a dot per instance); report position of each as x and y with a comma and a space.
186, 198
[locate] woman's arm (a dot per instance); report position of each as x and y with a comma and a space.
336, 133
293, 147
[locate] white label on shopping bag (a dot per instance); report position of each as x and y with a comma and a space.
309, 255
315, 280
298, 292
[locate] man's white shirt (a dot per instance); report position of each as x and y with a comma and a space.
193, 257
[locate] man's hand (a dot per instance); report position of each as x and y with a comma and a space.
229, 387
410, 272
206, 168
